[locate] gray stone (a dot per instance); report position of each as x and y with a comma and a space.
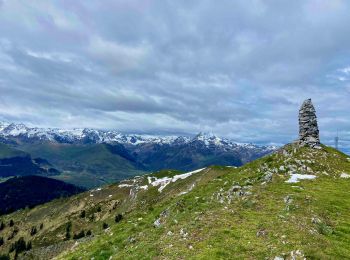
308, 128
157, 223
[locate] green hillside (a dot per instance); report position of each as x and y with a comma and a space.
250, 212
85, 165
7, 151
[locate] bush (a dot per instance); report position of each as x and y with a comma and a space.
81, 234
99, 209
13, 234
88, 233
4, 257
1, 241
11, 224
68, 229
105, 225
20, 246
2, 225
33, 231
41, 226
29, 245
118, 218
82, 214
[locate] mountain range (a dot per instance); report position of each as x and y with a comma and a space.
90, 157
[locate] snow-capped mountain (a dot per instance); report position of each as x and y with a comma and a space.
86, 135
107, 156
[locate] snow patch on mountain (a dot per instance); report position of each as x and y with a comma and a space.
85, 135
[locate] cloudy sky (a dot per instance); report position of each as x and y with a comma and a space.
239, 69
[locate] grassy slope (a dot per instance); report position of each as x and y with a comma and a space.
260, 225
84, 165
7, 152
210, 221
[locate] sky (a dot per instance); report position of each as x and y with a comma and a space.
239, 69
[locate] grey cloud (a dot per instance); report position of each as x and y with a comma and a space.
236, 68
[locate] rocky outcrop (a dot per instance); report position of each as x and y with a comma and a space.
308, 128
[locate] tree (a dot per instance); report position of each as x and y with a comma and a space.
1, 241
118, 218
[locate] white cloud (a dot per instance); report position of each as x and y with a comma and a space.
52, 56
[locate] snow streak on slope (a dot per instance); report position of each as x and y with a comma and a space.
163, 182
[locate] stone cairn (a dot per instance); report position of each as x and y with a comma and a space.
308, 129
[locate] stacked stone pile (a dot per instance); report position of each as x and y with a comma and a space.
308, 128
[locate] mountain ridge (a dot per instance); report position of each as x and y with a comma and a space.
90, 135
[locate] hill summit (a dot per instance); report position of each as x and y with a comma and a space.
292, 204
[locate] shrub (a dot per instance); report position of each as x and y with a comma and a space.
79, 235
105, 225
14, 233
11, 224
82, 214
68, 229
41, 226
33, 231
4, 257
29, 245
99, 209
118, 218
20, 246
88, 233
2, 225
1, 241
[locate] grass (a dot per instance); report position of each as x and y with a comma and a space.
6, 151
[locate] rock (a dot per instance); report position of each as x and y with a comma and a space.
308, 128
183, 233
288, 199
268, 176
316, 220
296, 255
131, 240
261, 233
157, 223
235, 188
